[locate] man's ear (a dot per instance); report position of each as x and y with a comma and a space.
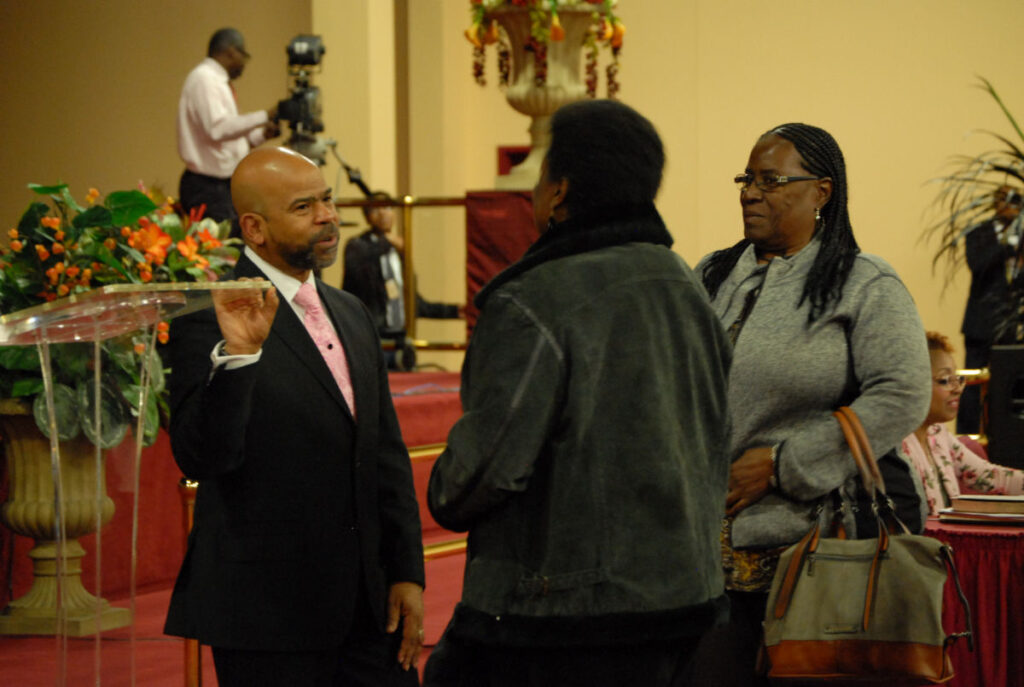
253, 229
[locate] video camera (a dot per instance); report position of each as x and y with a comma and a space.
302, 109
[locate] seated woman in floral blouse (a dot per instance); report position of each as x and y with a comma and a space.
946, 465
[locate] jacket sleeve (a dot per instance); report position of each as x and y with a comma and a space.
435, 310
889, 355
511, 385
209, 415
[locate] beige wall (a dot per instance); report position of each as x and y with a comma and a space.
91, 90
890, 79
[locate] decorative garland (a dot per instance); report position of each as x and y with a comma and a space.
545, 27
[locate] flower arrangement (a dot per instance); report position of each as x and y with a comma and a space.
59, 248
607, 29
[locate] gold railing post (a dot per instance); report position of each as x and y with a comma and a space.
408, 274
193, 655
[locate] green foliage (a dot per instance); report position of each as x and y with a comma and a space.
61, 248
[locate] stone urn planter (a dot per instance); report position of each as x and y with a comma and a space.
562, 84
29, 511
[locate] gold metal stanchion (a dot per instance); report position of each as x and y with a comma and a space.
193, 654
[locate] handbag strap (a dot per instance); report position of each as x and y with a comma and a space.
883, 507
864, 458
947, 553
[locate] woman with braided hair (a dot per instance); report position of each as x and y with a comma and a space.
815, 324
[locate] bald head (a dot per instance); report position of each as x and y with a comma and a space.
262, 171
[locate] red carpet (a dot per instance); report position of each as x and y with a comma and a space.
32, 661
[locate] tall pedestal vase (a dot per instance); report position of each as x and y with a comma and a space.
563, 83
29, 511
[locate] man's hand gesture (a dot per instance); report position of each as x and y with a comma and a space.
245, 317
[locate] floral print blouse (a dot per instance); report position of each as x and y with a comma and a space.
957, 467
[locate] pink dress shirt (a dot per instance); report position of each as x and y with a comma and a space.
212, 136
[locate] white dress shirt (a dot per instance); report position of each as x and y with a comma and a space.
212, 136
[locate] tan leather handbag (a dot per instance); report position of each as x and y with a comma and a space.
861, 611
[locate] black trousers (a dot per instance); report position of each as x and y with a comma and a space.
727, 655
198, 189
465, 664
368, 658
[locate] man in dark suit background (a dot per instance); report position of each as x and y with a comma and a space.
991, 251
305, 563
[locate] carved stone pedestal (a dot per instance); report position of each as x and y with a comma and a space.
29, 511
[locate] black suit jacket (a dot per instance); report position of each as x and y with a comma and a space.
300, 508
988, 300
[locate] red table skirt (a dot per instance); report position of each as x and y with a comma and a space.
990, 563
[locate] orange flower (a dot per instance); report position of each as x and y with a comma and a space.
557, 32
189, 249
52, 275
87, 274
207, 240
153, 241
140, 348
72, 272
607, 31
146, 276
59, 235
59, 267
62, 290
92, 195
126, 231
16, 246
163, 326
619, 33
110, 243
58, 248
473, 35
51, 222
13, 233
163, 337
42, 252
491, 35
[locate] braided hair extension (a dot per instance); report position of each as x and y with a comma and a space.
827, 276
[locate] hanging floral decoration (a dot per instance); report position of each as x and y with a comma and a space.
546, 27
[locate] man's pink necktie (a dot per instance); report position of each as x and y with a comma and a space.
326, 339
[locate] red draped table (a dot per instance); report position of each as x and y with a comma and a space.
990, 561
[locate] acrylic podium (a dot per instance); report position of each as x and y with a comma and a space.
55, 496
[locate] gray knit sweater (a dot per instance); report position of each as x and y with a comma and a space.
869, 352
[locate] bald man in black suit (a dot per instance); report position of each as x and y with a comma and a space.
305, 564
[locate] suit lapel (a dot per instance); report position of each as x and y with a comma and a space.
290, 330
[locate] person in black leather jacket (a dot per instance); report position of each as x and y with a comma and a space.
590, 465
